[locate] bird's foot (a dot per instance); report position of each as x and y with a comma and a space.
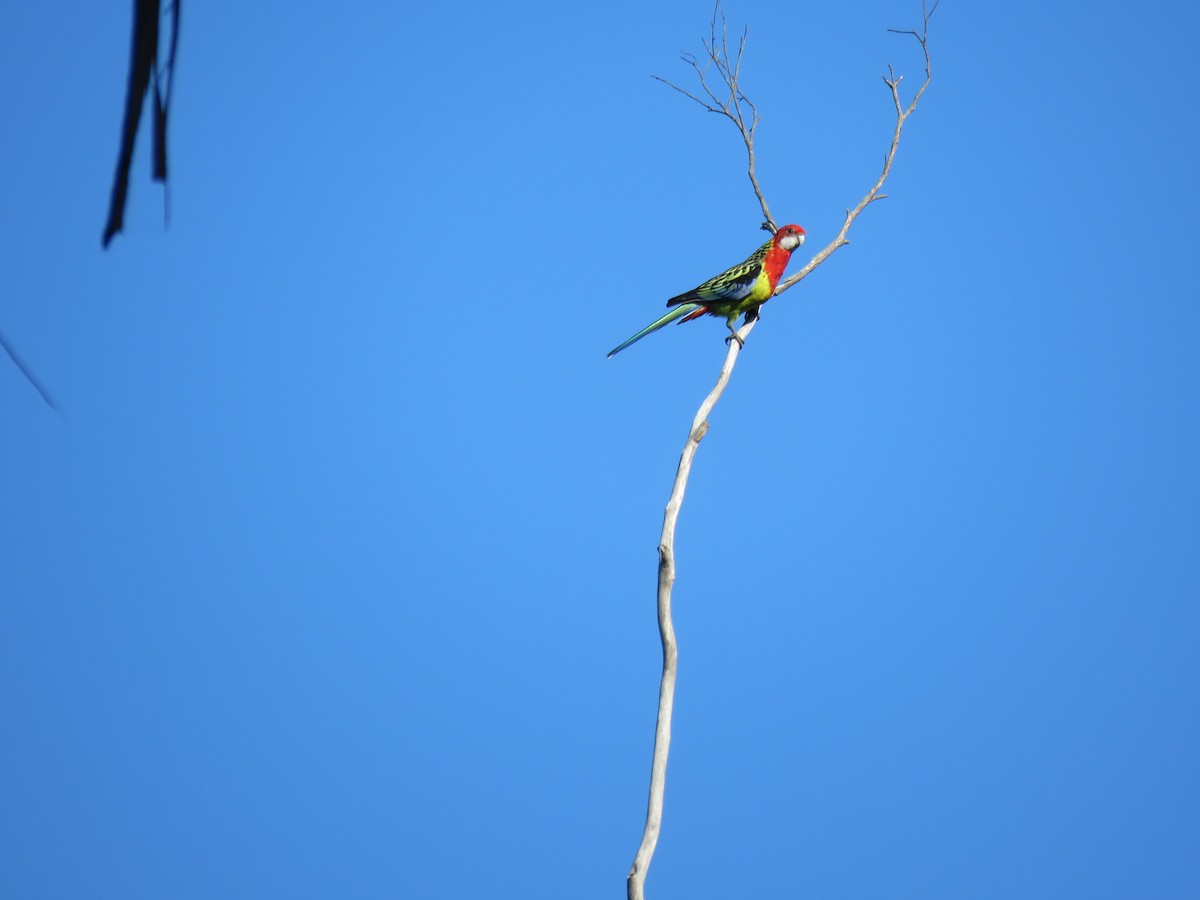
734, 336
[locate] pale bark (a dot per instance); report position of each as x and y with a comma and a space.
734, 104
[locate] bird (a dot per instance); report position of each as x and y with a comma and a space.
739, 289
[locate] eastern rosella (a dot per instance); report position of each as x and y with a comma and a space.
737, 290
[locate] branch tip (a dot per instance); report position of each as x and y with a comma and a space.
892, 80
733, 102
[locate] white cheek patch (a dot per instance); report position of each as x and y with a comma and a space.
792, 241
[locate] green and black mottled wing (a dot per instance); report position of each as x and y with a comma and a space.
731, 285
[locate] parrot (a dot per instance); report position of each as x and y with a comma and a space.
740, 289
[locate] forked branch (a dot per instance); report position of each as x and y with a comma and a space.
892, 80
732, 103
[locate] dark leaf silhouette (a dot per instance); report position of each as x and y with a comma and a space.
143, 73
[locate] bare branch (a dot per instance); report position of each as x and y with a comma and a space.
671, 84
666, 579
892, 80
737, 108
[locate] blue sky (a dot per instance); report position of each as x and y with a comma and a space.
336, 577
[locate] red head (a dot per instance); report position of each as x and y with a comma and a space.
789, 237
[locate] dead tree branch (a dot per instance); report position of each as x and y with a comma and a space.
892, 80
733, 104
666, 579
144, 75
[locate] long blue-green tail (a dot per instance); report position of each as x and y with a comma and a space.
677, 312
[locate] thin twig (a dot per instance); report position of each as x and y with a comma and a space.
738, 108
28, 373
902, 113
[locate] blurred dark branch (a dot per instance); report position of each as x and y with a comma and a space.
143, 72
162, 100
27, 372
